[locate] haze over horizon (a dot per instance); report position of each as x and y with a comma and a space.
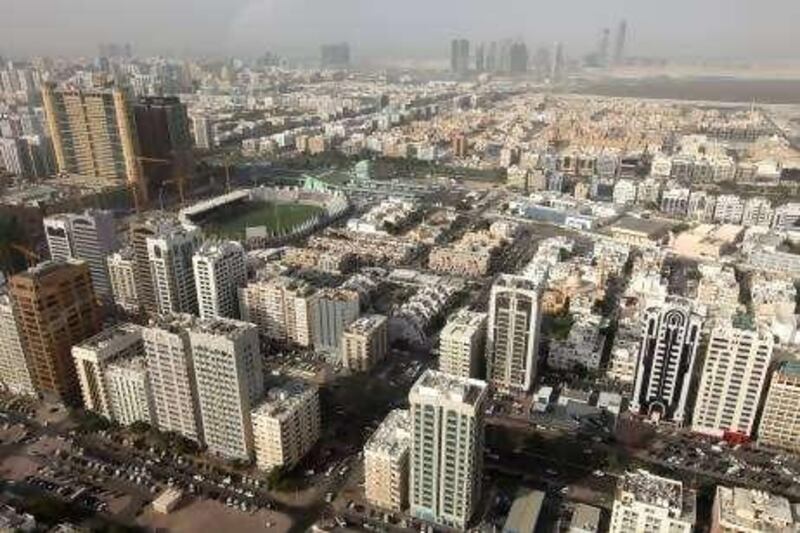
741, 29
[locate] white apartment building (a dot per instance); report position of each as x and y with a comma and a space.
733, 378
757, 212
93, 356
129, 391
365, 342
671, 336
286, 425
624, 192
729, 209
170, 255
386, 456
701, 206
171, 370
718, 290
780, 422
675, 201
512, 339
461, 344
333, 311
230, 380
121, 274
219, 272
646, 502
14, 374
89, 236
446, 464
740, 510
282, 308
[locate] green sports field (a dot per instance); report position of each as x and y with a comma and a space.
276, 217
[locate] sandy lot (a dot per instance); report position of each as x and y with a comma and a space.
210, 515
18, 467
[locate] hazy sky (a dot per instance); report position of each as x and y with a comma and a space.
712, 28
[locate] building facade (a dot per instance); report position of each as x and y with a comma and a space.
512, 339
446, 463
780, 421
461, 344
170, 256
129, 391
14, 374
646, 502
219, 273
733, 378
365, 342
56, 309
386, 462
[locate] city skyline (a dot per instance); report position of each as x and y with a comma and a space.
383, 29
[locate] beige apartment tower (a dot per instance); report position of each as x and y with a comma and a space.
780, 423
461, 344
92, 133
386, 462
365, 343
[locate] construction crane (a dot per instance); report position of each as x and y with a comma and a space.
30, 256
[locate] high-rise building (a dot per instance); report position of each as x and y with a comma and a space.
92, 357
733, 377
333, 311
557, 65
165, 145
365, 342
122, 275
619, 43
219, 273
671, 336
461, 344
512, 339
89, 236
56, 309
170, 255
13, 157
92, 132
286, 425
646, 502
281, 307
459, 55
202, 131
386, 462
171, 369
480, 60
602, 52
14, 374
518, 58
129, 391
780, 422
335, 55
230, 380
446, 464
141, 230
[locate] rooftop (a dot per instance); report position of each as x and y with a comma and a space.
281, 401
393, 436
435, 384
753, 510
524, 512
365, 324
463, 323
106, 337
213, 249
224, 327
654, 490
515, 282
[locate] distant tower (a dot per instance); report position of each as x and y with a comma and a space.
619, 45
459, 55
602, 53
479, 58
558, 63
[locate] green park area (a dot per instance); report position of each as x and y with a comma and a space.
276, 217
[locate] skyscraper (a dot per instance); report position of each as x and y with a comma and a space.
461, 344
93, 356
92, 132
602, 52
557, 66
171, 369
446, 448
518, 58
459, 56
480, 58
734, 375
55, 308
619, 43
141, 230
89, 236
335, 55
165, 145
14, 374
780, 423
170, 254
671, 336
333, 311
230, 380
386, 462
512, 340
219, 273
